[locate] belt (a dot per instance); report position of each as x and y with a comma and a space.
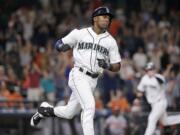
89, 73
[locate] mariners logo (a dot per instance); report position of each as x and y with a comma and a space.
101, 49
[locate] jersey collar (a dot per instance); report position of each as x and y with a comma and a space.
98, 35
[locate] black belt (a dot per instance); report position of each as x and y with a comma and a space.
89, 73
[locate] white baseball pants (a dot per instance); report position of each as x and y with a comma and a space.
158, 112
82, 87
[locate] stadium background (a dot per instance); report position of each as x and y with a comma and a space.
145, 30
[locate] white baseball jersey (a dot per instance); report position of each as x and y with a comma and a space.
153, 90
88, 46
155, 94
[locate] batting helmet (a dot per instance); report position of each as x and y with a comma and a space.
150, 66
102, 11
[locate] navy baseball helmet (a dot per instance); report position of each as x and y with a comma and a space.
150, 66
102, 11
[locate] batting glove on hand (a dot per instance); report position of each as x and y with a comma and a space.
102, 63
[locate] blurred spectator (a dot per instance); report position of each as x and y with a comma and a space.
25, 54
48, 86
99, 104
12, 78
119, 101
41, 35
116, 124
4, 92
129, 40
155, 56
136, 106
41, 58
34, 92
11, 95
165, 58
5, 88
176, 92
27, 20
173, 50
13, 60
136, 118
145, 30
2, 73
25, 82
127, 74
110, 83
60, 83
115, 27
139, 59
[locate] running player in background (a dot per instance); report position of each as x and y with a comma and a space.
94, 50
153, 85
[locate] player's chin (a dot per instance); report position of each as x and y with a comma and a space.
104, 26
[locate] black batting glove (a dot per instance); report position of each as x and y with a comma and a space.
102, 63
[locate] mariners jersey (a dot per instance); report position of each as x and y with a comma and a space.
89, 46
154, 91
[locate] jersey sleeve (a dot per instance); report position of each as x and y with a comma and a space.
141, 85
114, 54
160, 78
72, 38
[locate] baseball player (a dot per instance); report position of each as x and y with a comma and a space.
94, 50
153, 85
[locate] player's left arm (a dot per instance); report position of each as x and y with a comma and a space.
115, 67
114, 63
112, 67
114, 57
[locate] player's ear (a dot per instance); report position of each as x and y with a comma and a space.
95, 19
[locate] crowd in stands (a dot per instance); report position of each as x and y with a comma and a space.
32, 70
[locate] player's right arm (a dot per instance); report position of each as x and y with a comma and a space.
67, 42
61, 47
140, 89
114, 64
